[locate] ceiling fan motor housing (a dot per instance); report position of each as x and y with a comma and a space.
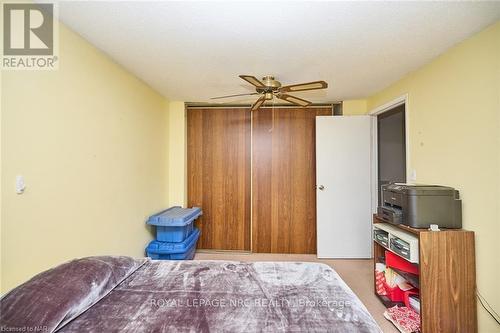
271, 85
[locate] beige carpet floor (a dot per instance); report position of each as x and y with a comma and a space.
358, 274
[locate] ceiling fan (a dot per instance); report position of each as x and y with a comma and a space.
269, 88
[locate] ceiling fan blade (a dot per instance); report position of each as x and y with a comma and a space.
293, 99
252, 80
227, 96
258, 103
305, 86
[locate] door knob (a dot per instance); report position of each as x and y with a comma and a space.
321, 187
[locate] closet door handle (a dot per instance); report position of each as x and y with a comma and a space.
320, 187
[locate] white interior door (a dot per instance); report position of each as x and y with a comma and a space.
343, 178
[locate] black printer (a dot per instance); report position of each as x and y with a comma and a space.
419, 206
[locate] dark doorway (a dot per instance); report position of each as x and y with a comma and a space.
391, 147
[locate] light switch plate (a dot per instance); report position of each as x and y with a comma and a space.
20, 184
413, 175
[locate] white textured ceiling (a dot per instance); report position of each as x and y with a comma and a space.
191, 51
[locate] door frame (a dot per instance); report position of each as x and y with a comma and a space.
403, 99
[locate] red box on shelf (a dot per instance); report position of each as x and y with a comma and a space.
394, 294
394, 261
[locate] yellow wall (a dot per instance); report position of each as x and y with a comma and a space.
177, 154
354, 107
91, 141
454, 127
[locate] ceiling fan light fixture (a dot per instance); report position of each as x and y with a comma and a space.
269, 88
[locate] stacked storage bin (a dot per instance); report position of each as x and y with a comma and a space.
176, 235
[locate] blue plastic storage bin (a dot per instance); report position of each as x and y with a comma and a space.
174, 224
174, 251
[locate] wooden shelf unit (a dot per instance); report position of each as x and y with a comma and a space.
447, 278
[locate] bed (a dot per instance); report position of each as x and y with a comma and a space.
121, 294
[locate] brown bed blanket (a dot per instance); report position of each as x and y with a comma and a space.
224, 296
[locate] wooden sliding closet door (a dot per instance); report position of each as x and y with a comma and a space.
218, 169
284, 179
